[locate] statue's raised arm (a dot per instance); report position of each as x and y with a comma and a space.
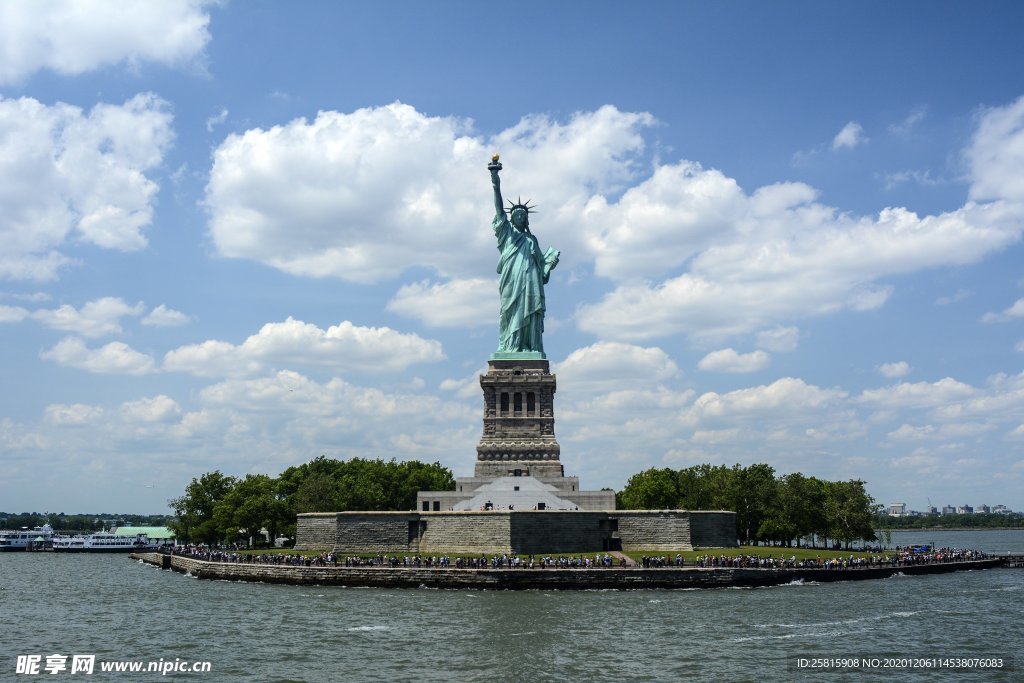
494, 167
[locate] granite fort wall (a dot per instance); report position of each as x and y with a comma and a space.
466, 532
713, 529
520, 531
316, 530
559, 532
676, 529
371, 532
654, 530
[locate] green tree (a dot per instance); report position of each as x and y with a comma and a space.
767, 507
195, 510
417, 476
754, 494
251, 505
653, 489
362, 485
317, 493
798, 511
327, 485
694, 485
720, 487
849, 511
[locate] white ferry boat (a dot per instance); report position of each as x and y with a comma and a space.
23, 539
102, 542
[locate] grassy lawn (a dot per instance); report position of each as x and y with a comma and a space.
758, 550
689, 555
277, 551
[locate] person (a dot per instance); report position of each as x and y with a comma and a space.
523, 271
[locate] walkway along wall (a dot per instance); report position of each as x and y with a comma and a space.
549, 579
515, 531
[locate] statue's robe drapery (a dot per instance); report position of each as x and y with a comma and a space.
523, 269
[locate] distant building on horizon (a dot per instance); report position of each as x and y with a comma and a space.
897, 509
964, 510
985, 509
949, 510
163, 535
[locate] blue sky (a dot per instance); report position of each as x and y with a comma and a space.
237, 236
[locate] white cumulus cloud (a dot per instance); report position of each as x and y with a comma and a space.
1014, 311
910, 433
894, 370
161, 316
213, 121
609, 366
75, 36
996, 155
465, 387
958, 296
907, 125
779, 339
95, 319
801, 260
156, 409
115, 358
73, 415
365, 195
729, 360
919, 394
849, 137
662, 222
456, 303
787, 395
12, 314
75, 175
262, 424
342, 347
778, 253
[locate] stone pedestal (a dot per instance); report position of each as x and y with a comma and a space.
517, 459
519, 420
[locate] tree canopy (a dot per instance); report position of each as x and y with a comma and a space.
217, 508
769, 508
77, 523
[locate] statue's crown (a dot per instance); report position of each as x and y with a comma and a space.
520, 204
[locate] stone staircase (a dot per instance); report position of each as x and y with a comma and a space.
621, 556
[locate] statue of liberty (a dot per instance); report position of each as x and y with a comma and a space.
523, 271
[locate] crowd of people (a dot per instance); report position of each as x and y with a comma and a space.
900, 557
331, 559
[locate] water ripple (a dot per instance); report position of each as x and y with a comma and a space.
119, 610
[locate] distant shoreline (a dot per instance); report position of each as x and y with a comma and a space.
954, 528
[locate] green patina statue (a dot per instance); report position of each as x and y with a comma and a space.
523, 271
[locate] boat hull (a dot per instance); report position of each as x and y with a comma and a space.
104, 550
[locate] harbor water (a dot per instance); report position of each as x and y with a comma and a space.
121, 610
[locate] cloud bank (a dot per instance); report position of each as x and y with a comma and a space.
76, 176
75, 36
369, 195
